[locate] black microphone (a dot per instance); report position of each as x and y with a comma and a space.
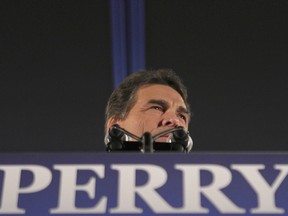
114, 141
183, 142
117, 140
115, 132
180, 134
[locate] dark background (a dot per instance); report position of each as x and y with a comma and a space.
56, 71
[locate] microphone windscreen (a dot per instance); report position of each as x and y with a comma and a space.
182, 136
115, 132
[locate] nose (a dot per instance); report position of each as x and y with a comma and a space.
170, 120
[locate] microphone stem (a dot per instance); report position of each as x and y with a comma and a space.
130, 134
165, 132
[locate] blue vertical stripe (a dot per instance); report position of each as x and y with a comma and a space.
137, 34
119, 47
128, 37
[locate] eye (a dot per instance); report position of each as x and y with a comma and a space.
157, 108
183, 117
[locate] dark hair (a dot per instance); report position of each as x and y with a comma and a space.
124, 97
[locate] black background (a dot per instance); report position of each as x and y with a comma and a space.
55, 75
56, 71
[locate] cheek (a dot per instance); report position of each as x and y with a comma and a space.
151, 122
146, 124
184, 124
133, 125
139, 123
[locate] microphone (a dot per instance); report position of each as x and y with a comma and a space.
116, 132
117, 139
114, 139
182, 140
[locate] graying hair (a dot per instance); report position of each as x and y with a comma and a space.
123, 98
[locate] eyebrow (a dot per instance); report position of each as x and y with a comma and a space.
160, 102
164, 104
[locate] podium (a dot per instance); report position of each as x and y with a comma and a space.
144, 184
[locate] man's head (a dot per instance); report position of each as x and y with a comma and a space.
149, 101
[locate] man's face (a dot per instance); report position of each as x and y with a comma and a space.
157, 108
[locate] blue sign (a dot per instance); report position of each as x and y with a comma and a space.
143, 184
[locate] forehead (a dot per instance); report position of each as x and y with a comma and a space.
158, 91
